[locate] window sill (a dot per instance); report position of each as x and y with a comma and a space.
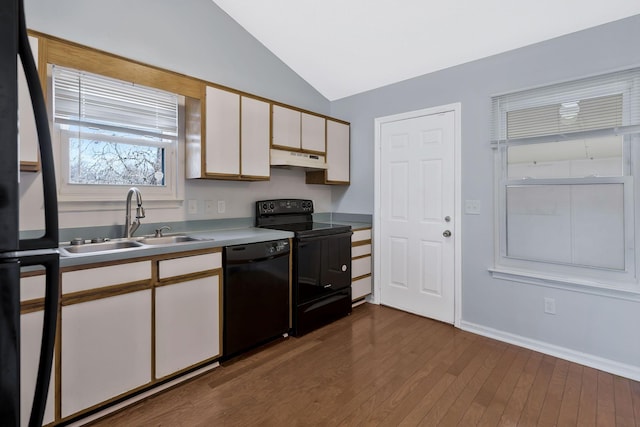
624, 291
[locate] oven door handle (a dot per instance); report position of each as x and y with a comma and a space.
310, 239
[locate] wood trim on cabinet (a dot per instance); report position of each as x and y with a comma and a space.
362, 256
361, 243
69, 54
360, 277
187, 277
31, 306
29, 166
104, 292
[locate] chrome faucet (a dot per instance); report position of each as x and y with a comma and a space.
131, 227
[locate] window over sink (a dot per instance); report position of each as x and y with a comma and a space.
112, 135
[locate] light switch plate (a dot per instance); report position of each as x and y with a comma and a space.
472, 207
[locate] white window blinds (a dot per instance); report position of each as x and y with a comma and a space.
593, 107
93, 101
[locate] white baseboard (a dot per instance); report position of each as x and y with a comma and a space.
607, 365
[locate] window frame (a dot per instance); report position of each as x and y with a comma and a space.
56, 51
90, 197
565, 275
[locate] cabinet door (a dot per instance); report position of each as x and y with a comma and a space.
187, 324
32, 288
28, 137
222, 132
313, 133
106, 349
286, 127
337, 152
254, 138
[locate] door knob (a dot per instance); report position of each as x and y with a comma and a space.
446, 233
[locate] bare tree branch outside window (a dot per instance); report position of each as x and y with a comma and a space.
92, 161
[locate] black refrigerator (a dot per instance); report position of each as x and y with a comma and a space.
14, 252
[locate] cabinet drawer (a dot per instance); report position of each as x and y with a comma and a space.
360, 267
361, 287
189, 265
91, 278
359, 235
361, 250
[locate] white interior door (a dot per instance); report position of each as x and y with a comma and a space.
417, 191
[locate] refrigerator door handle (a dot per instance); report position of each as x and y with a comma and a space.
51, 262
50, 238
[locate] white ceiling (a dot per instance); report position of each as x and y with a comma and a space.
344, 47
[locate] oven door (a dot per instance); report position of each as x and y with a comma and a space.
322, 266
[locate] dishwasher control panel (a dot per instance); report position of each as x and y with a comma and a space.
254, 251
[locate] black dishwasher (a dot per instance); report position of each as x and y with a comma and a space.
257, 293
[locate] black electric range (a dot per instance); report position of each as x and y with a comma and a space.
321, 267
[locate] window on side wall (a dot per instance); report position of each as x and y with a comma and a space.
567, 158
113, 135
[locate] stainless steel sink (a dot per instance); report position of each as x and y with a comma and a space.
102, 247
166, 240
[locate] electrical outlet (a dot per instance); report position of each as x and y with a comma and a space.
472, 207
208, 206
192, 206
550, 306
222, 206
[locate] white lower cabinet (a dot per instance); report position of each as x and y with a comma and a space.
187, 316
361, 285
124, 327
187, 312
105, 333
106, 349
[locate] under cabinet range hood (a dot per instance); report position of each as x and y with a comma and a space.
296, 159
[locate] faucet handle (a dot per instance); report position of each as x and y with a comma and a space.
159, 230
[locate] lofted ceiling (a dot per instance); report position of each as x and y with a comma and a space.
344, 47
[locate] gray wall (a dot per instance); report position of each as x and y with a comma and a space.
595, 325
193, 37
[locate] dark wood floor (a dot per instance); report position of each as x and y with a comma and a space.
385, 367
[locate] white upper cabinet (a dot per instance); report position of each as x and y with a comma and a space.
222, 132
338, 148
27, 134
338, 156
234, 140
254, 132
286, 128
313, 133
